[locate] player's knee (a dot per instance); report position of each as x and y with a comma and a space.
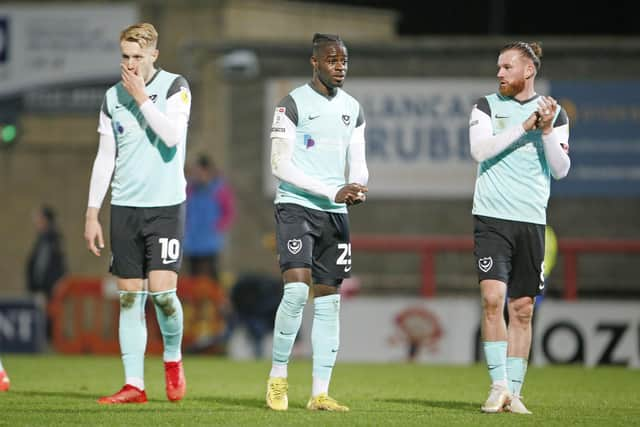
521, 310
296, 294
524, 316
492, 304
165, 302
127, 299
325, 290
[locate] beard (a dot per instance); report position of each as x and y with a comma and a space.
512, 89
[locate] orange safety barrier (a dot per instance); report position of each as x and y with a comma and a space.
429, 246
85, 311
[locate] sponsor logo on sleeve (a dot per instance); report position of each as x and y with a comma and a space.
119, 128
308, 141
278, 117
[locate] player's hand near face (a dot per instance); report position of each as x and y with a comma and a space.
93, 232
134, 84
352, 194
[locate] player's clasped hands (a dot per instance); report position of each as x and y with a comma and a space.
352, 194
547, 107
542, 118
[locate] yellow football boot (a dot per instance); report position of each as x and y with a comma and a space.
323, 402
277, 394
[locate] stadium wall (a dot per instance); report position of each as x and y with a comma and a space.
53, 159
461, 57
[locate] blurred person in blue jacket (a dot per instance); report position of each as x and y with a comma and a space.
210, 214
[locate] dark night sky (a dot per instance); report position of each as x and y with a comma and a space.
522, 17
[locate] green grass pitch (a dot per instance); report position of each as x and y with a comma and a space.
51, 390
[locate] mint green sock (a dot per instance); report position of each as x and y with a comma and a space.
132, 332
170, 320
516, 370
288, 320
495, 353
325, 335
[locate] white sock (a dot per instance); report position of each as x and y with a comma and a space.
1, 368
319, 386
278, 371
136, 382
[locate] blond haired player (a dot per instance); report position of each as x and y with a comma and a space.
141, 153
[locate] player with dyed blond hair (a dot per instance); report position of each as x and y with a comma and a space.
141, 153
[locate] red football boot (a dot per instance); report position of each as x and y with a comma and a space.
176, 383
4, 381
128, 394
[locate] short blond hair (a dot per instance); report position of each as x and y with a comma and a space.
143, 33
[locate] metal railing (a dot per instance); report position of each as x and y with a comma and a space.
427, 247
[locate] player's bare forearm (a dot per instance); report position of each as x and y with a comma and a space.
92, 213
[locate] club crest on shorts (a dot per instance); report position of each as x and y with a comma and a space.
294, 246
485, 263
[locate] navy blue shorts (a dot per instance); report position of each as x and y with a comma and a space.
310, 238
511, 252
145, 239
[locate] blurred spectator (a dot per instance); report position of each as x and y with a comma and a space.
47, 263
255, 299
210, 214
254, 302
